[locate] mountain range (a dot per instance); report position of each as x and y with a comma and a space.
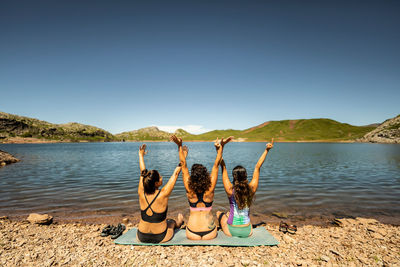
14, 128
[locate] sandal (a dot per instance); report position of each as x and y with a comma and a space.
292, 229
118, 231
283, 227
106, 231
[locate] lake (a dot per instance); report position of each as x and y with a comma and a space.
303, 180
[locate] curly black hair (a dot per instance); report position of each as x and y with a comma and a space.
200, 180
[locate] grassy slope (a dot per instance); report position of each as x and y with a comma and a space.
307, 130
294, 130
285, 130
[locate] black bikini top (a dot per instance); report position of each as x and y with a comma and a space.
156, 217
200, 199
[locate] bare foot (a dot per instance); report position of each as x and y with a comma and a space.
179, 222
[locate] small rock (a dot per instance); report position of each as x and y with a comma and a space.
338, 222
325, 258
366, 221
125, 220
245, 262
376, 235
335, 252
6, 158
381, 231
40, 218
2, 218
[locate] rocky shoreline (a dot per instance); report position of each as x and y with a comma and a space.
353, 242
7, 158
388, 132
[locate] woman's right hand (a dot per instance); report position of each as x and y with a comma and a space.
176, 140
142, 150
270, 145
227, 140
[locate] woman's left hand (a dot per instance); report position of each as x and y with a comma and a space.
142, 150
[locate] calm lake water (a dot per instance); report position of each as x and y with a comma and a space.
300, 179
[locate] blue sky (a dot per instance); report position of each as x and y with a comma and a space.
124, 65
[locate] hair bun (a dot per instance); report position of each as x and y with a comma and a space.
145, 173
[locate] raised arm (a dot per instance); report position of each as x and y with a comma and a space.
167, 189
142, 152
256, 175
183, 151
225, 179
219, 145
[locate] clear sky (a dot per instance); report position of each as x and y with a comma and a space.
124, 65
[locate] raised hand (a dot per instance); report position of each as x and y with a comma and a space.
270, 145
227, 140
142, 150
217, 144
176, 140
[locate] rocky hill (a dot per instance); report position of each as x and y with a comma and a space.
151, 134
387, 132
14, 126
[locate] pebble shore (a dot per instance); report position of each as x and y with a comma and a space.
357, 242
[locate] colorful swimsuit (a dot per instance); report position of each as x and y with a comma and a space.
238, 217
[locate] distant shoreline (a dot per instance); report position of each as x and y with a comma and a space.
41, 141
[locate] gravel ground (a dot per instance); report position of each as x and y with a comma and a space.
358, 242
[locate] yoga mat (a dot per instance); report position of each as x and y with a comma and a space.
260, 237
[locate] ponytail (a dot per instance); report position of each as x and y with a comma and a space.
243, 193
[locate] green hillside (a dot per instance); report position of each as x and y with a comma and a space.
306, 130
285, 130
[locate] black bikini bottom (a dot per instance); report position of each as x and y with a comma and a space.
151, 238
201, 234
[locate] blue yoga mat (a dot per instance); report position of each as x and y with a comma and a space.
260, 237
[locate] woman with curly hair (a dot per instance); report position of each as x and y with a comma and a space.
200, 187
237, 221
154, 227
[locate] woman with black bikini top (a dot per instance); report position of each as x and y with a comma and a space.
154, 227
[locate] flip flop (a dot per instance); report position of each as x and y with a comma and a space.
283, 227
292, 229
106, 231
118, 231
